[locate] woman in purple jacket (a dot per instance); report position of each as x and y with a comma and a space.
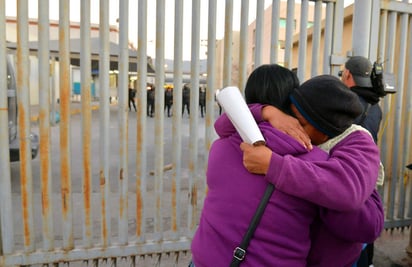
283, 237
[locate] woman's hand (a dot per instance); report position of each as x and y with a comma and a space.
256, 159
286, 124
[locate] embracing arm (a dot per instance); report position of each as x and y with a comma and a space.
281, 121
343, 182
224, 126
363, 225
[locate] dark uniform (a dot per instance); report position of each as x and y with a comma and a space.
132, 95
202, 101
151, 102
168, 100
186, 99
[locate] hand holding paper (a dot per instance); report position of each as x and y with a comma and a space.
239, 114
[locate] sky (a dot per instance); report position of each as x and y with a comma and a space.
151, 33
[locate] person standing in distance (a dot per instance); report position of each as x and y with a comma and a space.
186, 99
357, 76
132, 95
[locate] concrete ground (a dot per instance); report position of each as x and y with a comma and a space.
390, 249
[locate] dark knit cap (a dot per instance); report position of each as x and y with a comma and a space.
361, 69
328, 104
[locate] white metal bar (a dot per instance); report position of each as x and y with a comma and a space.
397, 159
211, 75
361, 31
274, 47
337, 33
227, 61
6, 221
23, 102
104, 159
303, 39
374, 31
85, 76
408, 119
123, 119
194, 117
141, 90
391, 41
243, 45
159, 118
259, 32
290, 28
177, 120
44, 120
65, 149
327, 45
316, 38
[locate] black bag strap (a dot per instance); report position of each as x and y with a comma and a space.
240, 251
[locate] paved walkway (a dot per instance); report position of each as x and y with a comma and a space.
390, 249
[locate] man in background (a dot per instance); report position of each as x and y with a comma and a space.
357, 76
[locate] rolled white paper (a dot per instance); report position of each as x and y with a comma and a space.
233, 103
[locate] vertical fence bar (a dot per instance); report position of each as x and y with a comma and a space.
303, 39
290, 28
398, 162
408, 121
23, 102
374, 31
316, 38
337, 33
44, 121
85, 76
141, 91
65, 150
383, 18
408, 130
393, 179
104, 123
243, 45
194, 115
259, 32
227, 61
327, 44
123, 118
274, 47
381, 55
362, 26
177, 120
6, 221
211, 75
159, 117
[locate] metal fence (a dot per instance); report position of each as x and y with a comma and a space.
164, 220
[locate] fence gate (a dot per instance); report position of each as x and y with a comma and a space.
111, 187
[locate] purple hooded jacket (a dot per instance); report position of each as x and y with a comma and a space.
336, 236
283, 235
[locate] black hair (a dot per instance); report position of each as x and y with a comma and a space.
271, 84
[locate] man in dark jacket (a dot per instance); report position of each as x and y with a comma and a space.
132, 95
202, 101
186, 99
168, 99
357, 76
151, 101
